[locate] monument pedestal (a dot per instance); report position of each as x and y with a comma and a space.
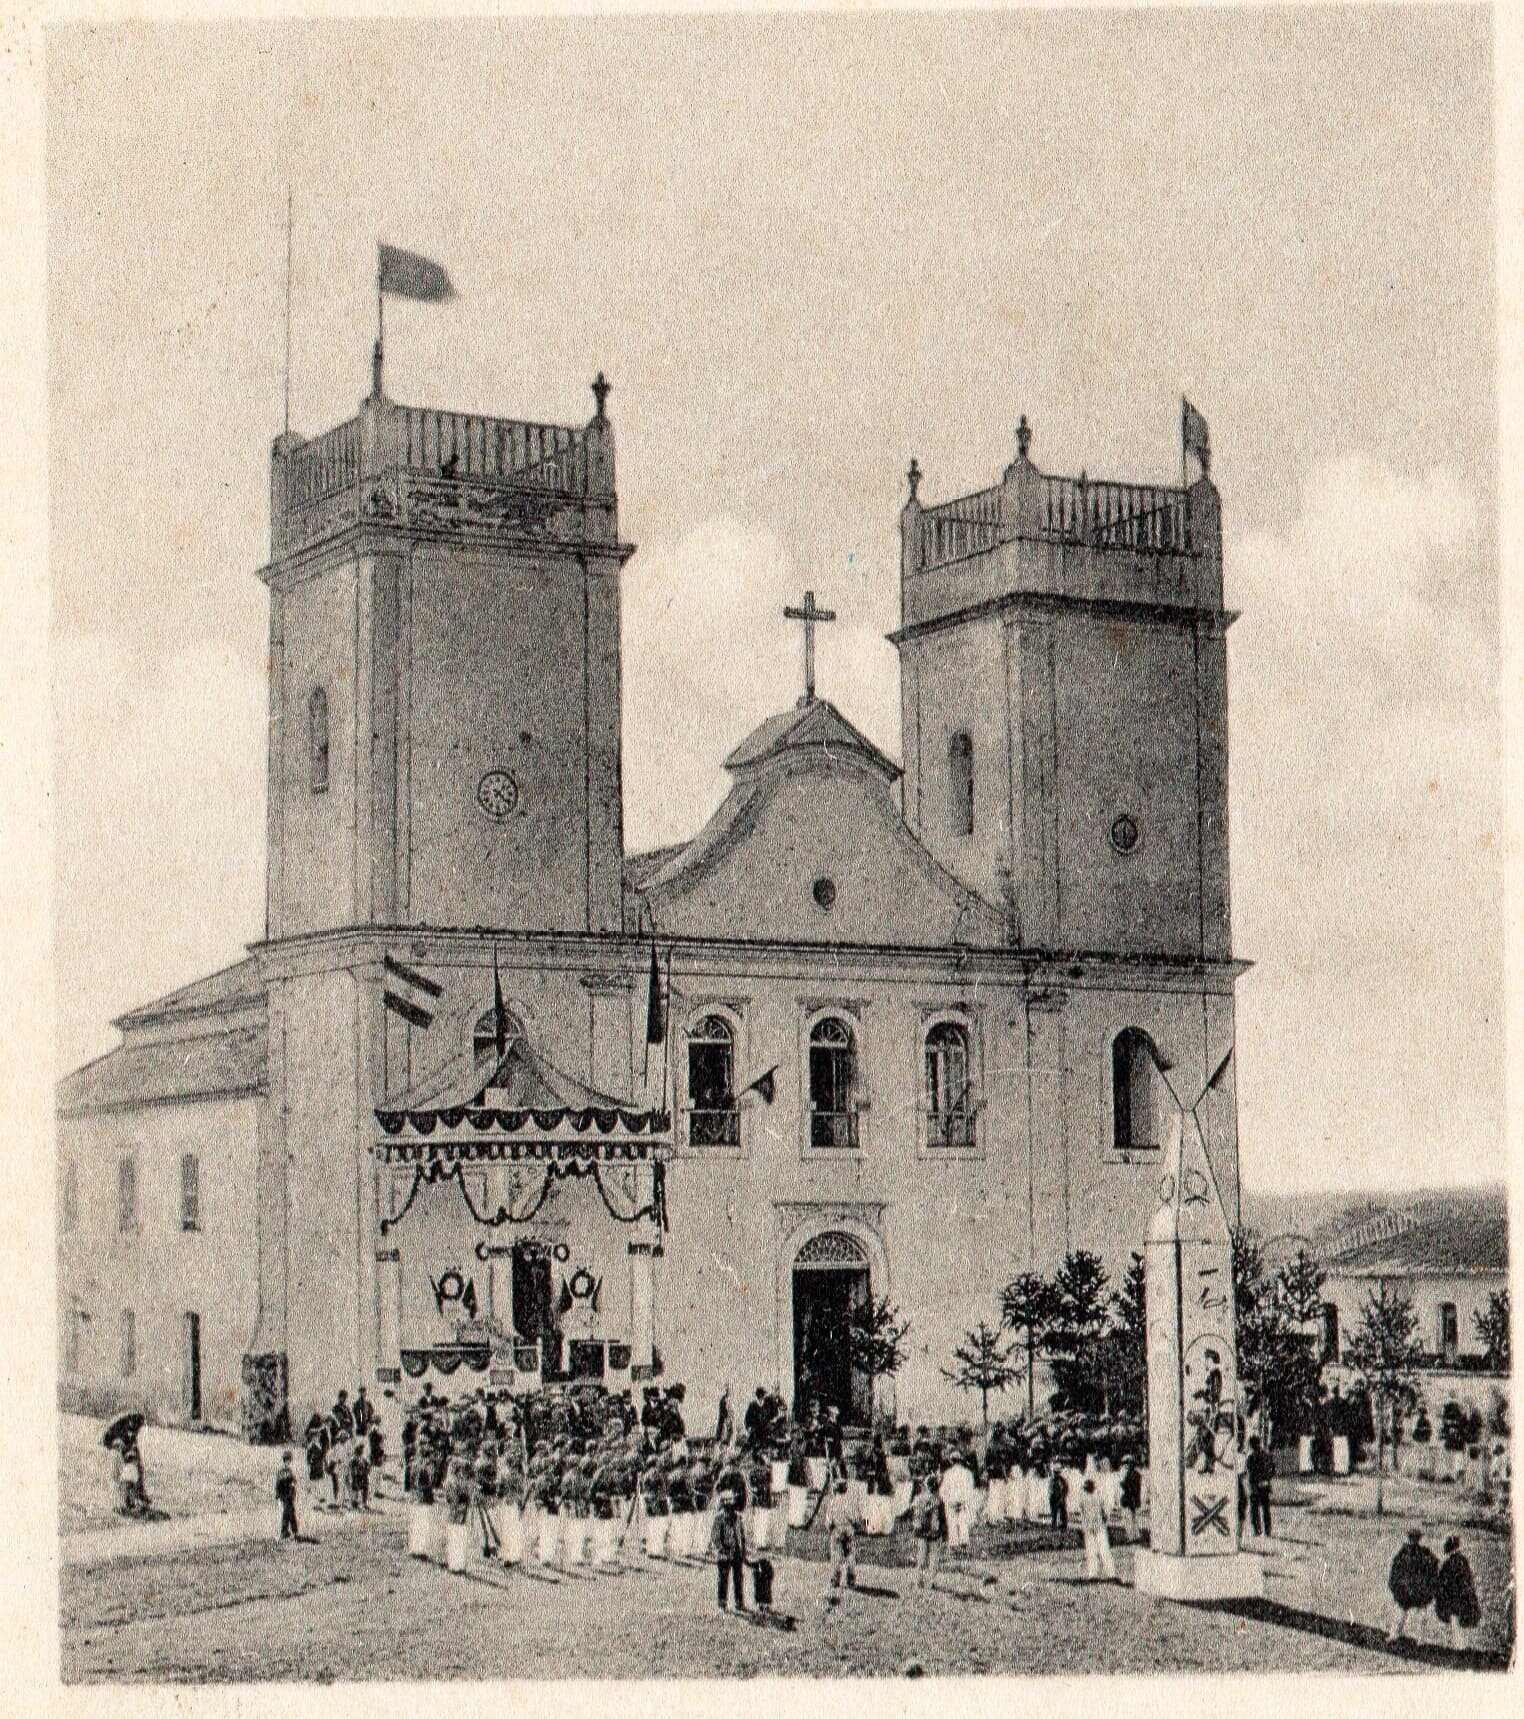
1235, 1576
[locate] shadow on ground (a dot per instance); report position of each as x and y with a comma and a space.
1356, 1635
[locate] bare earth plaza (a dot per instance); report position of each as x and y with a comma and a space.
816, 1246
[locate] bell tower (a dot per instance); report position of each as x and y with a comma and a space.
1063, 657
444, 674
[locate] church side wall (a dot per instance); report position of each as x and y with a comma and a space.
156, 1269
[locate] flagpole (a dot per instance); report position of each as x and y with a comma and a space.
378, 357
288, 308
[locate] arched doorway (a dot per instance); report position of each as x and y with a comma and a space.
831, 1278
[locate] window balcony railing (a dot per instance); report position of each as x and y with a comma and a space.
950, 1129
833, 1130
714, 1127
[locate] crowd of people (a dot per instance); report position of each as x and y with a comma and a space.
342, 1449
576, 1475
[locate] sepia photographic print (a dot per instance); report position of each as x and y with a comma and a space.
778, 850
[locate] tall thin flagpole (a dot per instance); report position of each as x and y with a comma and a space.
288, 307
379, 358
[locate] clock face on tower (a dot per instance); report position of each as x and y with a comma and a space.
497, 794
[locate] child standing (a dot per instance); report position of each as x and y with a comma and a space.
928, 1523
843, 1535
285, 1493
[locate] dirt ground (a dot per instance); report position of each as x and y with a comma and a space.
350, 1604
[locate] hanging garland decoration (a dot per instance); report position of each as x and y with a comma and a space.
437, 1170
484, 1120
517, 1151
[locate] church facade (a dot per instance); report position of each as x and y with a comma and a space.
495, 1101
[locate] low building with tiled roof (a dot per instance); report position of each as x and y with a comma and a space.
1447, 1262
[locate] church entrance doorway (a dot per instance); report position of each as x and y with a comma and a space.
831, 1280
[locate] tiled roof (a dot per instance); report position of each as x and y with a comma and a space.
1454, 1244
226, 1064
233, 987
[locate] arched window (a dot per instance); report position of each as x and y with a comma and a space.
317, 739
713, 1119
960, 774
1134, 1125
949, 1112
484, 1034
833, 1084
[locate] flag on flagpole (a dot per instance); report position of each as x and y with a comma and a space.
499, 1012
766, 1084
656, 1007
404, 274
401, 990
1195, 438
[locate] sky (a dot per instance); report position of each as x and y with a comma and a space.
804, 249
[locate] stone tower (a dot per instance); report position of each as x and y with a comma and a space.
1064, 707
444, 674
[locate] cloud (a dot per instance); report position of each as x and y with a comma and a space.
708, 655
160, 825
1366, 825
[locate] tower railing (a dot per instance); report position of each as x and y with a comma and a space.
324, 466
1099, 514
504, 450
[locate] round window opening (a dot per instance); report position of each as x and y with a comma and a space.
825, 893
1124, 834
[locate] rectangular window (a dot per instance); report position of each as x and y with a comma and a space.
190, 1192
129, 1343
126, 1196
1449, 1330
1330, 1332
69, 1203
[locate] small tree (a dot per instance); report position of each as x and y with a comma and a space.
1026, 1309
1299, 1291
1129, 1339
1077, 1322
876, 1342
983, 1364
1492, 1327
1385, 1352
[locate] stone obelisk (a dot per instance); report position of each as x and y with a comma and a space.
1193, 1454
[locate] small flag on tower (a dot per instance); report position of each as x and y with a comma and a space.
1195, 438
404, 274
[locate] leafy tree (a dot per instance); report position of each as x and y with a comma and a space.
1492, 1327
876, 1341
1026, 1310
983, 1364
1386, 1353
1299, 1289
1278, 1364
1128, 1340
1075, 1327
